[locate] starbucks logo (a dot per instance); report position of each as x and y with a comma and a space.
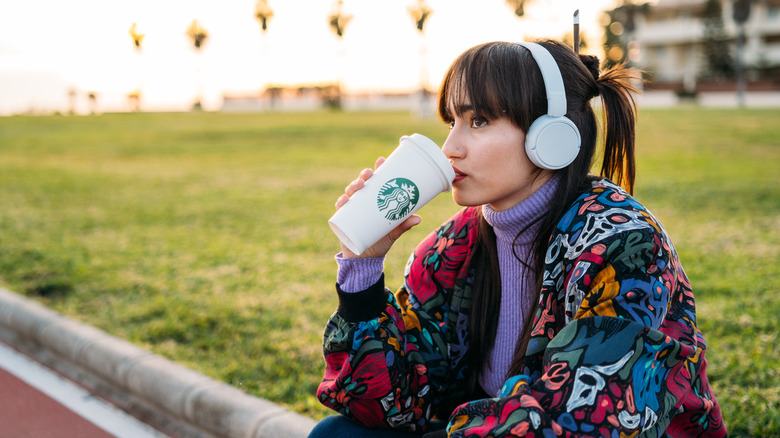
397, 197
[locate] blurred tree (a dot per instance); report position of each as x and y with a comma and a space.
136, 36
420, 13
263, 13
568, 39
92, 97
72, 95
134, 97
338, 20
718, 63
518, 6
619, 28
198, 35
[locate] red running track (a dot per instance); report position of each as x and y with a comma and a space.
36, 402
27, 412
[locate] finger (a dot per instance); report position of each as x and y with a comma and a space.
365, 174
379, 162
341, 201
354, 186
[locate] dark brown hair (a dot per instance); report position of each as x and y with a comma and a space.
502, 80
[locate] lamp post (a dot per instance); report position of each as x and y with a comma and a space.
741, 15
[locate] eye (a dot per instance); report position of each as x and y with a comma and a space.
478, 122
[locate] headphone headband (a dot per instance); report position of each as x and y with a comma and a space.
553, 81
552, 141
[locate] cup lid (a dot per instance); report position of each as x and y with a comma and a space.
435, 153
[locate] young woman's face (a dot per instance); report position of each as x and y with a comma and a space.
489, 159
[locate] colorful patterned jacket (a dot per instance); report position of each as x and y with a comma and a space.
614, 350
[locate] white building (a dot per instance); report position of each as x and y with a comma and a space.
669, 35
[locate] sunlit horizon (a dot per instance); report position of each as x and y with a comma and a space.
48, 47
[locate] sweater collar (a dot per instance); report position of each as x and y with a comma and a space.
507, 224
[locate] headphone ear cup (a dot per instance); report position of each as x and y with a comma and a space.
552, 142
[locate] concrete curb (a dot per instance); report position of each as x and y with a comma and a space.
166, 395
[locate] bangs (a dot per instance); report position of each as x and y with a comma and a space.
470, 88
489, 79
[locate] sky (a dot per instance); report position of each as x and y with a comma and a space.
48, 47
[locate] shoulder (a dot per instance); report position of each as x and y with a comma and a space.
602, 215
606, 228
605, 199
444, 254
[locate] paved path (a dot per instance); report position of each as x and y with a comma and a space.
37, 402
51, 351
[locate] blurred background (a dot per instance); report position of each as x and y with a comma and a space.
190, 216
92, 56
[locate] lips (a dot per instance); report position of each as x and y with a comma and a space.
459, 175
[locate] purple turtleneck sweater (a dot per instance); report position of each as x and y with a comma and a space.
517, 281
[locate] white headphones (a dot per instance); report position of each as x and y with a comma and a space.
553, 141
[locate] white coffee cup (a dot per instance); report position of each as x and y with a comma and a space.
415, 173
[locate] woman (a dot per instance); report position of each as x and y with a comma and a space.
553, 304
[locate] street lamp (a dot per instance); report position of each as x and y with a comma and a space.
741, 15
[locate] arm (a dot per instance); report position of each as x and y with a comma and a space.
386, 355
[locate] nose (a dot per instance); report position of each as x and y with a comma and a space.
452, 146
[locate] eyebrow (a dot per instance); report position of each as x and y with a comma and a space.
463, 108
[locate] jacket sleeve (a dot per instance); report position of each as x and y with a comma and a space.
387, 359
600, 361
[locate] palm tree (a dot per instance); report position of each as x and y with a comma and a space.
136, 36
338, 21
134, 97
263, 13
72, 96
92, 97
518, 6
420, 13
198, 35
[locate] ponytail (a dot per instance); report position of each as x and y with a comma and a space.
615, 89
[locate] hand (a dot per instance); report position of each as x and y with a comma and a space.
381, 248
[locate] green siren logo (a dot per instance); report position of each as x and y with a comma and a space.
398, 196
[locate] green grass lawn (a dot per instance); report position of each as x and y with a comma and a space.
204, 237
